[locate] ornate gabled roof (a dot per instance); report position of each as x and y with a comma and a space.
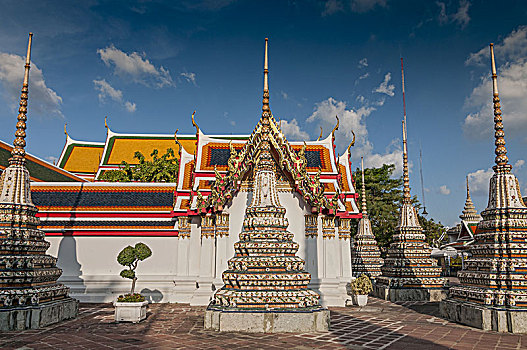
292, 163
39, 169
122, 147
81, 157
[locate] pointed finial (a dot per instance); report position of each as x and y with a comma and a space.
352, 143
501, 159
364, 209
469, 212
335, 128
65, 131
105, 121
266, 111
320, 136
18, 153
194, 123
406, 176
177, 141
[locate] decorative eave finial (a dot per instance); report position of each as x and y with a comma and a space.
106, 124
178, 143
363, 195
266, 111
406, 177
18, 153
66, 131
352, 143
320, 136
335, 128
501, 159
194, 123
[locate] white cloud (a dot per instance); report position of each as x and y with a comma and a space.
107, 91
385, 87
460, 17
519, 164
362, 6
355, 119
444, 190
130, 107
442, 17
43, 101
479, 181
136, 67
285, 96
363, 63
292, 130
190, 78
512, 83
364, 76
331, 7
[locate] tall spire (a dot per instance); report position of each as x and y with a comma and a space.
18, 153
363, 194
499, 135
406, 177
469, 213
266, 111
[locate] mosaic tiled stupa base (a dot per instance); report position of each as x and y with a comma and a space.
493, 290
409, 273
30, 296
365, 254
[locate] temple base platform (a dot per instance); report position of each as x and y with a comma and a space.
33, 317
267, 321
484, 317
409, 294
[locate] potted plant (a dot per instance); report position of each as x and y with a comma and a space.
360, 288
131, 307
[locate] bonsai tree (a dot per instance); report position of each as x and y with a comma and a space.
130, 257
361, 285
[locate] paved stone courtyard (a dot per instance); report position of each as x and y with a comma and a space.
379, 325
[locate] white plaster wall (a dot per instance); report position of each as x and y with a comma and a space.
188, 270
91, 270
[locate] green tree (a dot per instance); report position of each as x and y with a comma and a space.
130, 257
159, 169
384, 197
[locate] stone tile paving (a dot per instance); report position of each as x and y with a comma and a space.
379, 325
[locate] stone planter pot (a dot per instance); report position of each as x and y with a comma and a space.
130, 312
360, 300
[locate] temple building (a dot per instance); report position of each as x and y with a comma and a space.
365, 253
462, 235
409, 273
492, 294
30, 296
193, 225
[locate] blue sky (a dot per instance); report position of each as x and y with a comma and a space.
149, 64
